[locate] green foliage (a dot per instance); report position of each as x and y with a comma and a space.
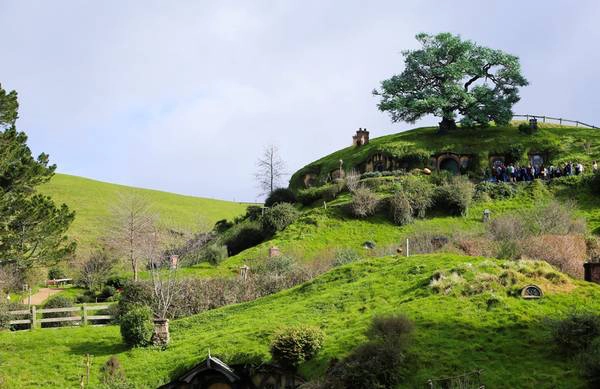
137, 327
5, 317
324, 193
243, 236
419, 193
9, 108
345, 256
576, 332
134, 294
278, 217
527, 129
253, 212
96, 270
113, 375
55, 273
222, 225
442, 78
280, 195
364, 203
595, 183
293, 346
215, 254
57, 301
495, 190
455, 196
401, 212
590, 364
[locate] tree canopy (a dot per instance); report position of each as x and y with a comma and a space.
32, 227
449, 76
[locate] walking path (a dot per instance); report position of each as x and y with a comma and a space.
41, 295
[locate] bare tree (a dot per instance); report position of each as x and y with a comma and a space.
133, 224
271, 169
160, 245
352, 180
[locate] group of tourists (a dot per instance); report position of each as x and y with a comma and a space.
514, 173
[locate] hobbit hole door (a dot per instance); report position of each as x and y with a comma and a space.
449, 165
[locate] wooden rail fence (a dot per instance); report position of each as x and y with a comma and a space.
559, 120
84, 317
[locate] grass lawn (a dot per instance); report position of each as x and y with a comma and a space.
454, 332
92, 201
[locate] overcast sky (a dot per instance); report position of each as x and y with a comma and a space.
182, 95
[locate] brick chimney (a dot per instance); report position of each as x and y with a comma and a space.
361, 138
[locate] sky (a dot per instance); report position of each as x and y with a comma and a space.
183, 96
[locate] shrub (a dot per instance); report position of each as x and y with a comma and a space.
55, 273
222, 225
495, 190
590, 364
455, 196
294, 345
116, 282
390, 329
345, 256
243, 236
96, 270
424, 242
575, 332
400, 209
253, 212
113, 375
137, 327
215, 254
280, 195
108, 292
364, 203
5, 317
57, 301
419, 194
278, 218
134, 294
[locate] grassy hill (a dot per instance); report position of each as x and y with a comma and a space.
560, 143
457, 330
92, 201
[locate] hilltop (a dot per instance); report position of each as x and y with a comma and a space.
92, 201
415, 148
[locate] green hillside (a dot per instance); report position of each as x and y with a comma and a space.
458, 330
559, 143
92, 201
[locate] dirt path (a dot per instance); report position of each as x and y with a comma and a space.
41, 295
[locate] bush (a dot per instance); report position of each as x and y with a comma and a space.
419, 194
134, 294
455, 195
243, 236
495, 190
400, 209
222, 225
345, 256
294, 345
57, 301
137, 326
526, 129
215, 254
116, 282
575, 332
5, 317
253, 212
590, 364
96, 270
280, 195
108, 292
278, 218
112, 375
55, 273
364, 203
378, 363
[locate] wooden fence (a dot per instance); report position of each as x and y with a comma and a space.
560, 121
84, 317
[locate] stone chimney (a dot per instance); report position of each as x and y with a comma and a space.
361, 138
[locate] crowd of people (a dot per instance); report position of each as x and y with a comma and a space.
515, 173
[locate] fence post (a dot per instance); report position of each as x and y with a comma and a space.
407, 248
84, 315
544, 119
33, 323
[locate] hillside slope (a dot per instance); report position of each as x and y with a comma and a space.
92, 201
459, 329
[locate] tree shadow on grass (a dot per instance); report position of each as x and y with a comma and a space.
97, 349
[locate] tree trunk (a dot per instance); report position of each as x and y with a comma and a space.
447, 125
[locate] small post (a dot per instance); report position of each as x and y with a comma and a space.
84, 315
407, 248
33, 323
325, 204
29, 298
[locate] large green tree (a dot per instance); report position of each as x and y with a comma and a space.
448, 77
32, 227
